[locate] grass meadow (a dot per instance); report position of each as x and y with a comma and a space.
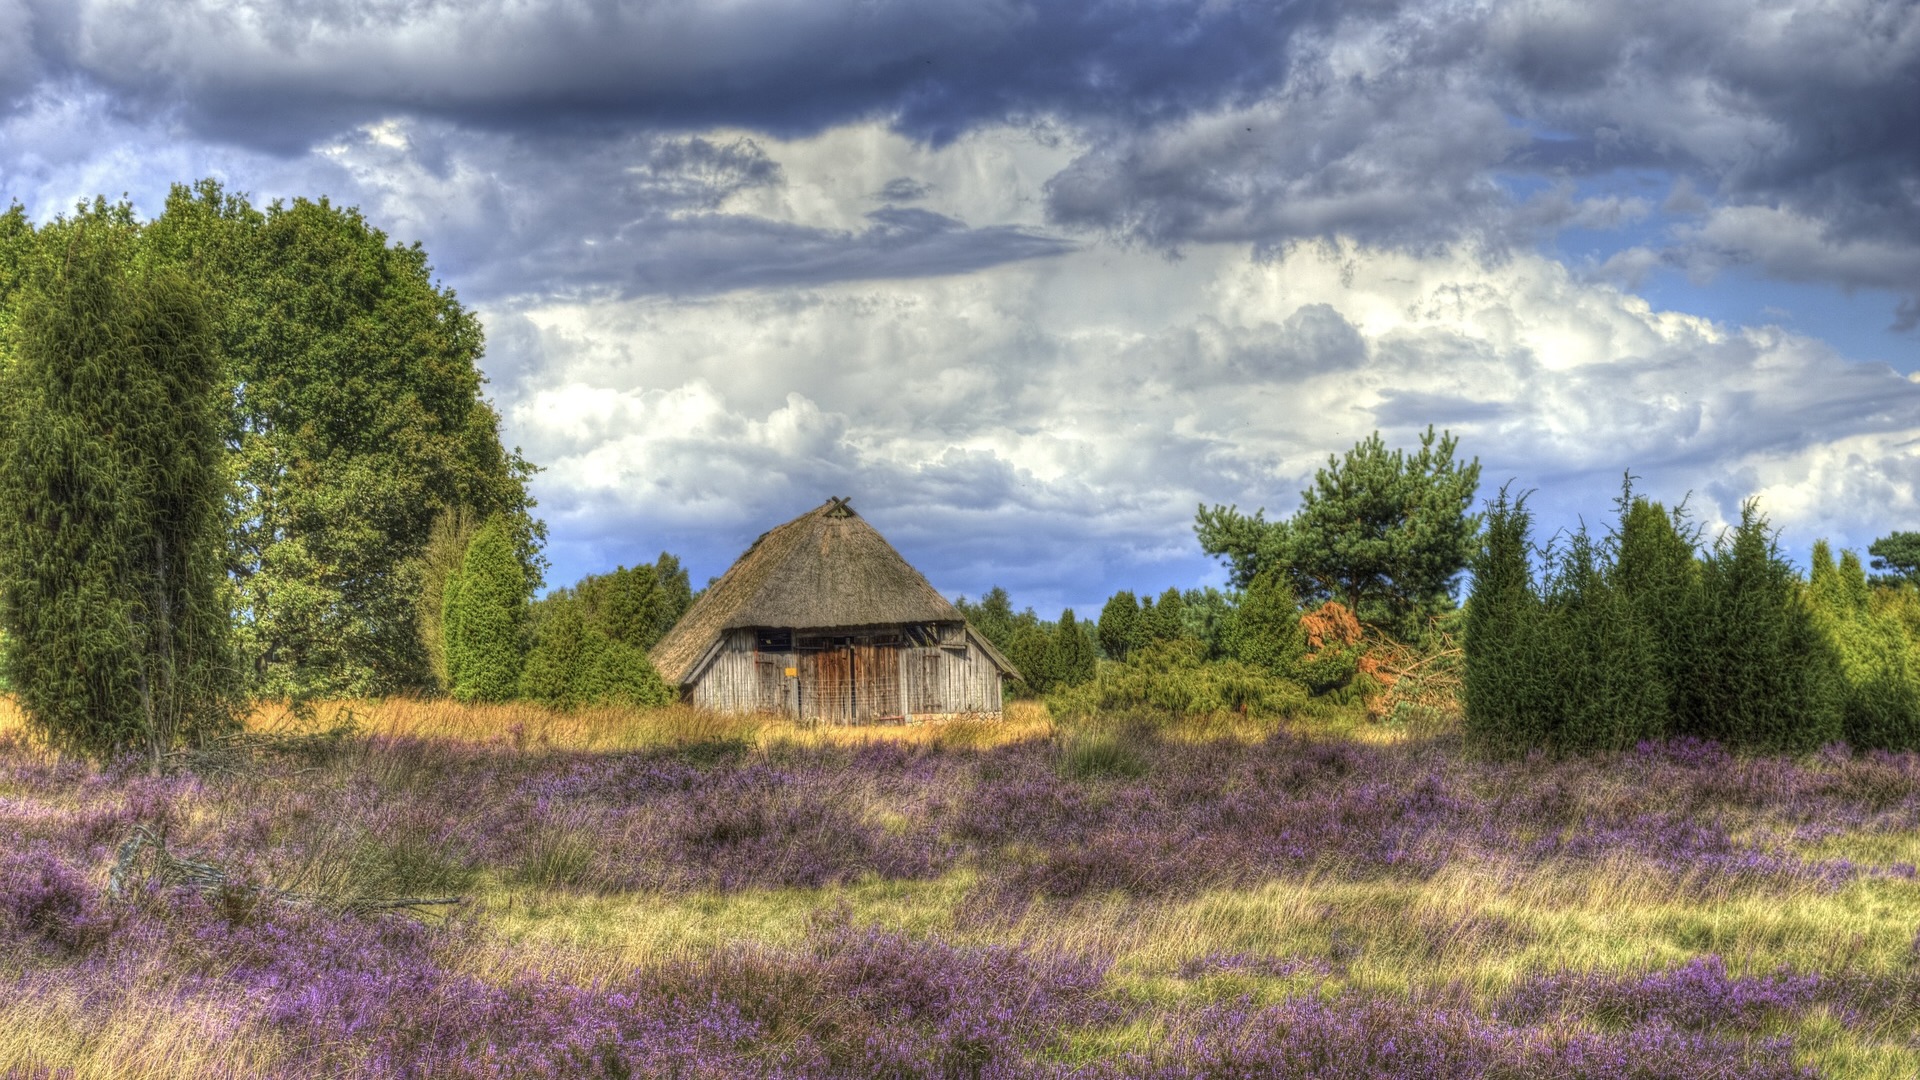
675, 894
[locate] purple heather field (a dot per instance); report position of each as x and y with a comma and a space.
1024, 838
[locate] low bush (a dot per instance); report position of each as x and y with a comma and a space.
1175, 679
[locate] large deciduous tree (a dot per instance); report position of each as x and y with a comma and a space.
111, 492
355, 419
1387, 533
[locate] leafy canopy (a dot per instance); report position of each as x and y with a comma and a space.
354, 418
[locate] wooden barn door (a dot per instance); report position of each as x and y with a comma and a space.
876, 682
826, 685
924, 681
770, 685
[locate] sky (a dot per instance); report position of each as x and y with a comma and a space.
1031, 281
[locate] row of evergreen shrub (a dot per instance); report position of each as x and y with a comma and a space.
1650, 633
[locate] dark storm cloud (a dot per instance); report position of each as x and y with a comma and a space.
1405, 131
1398, 124
716, 253
559, 216
1401, 160
273, 73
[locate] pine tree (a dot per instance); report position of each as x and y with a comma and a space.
1386, 533
1117, 630
1897, 553
486, 610
111, 498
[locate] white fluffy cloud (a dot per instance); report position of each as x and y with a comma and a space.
1051, 425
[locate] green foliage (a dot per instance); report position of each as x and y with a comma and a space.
1640, 639
111, 494
485, 617
1163, 620
1266, 633
1073, 653
1031, 650
446, 549
994, 618
355, 417
1880, 679
1175, 678
1601, 687
1898, 554
1767, 678
1128, 624
1209, 615
1385, 533
574, 663
1655, 571
630, 606
1116, 633
1505, 683
634, 606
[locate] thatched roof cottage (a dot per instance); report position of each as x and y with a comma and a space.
822, 620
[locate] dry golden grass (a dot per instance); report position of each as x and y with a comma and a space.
533, 727
13, 723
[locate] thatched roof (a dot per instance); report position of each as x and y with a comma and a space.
825, 568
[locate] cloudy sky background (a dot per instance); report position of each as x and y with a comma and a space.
1031, 280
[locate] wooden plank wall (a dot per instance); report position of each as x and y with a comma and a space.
931, 681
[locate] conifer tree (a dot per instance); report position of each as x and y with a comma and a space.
1503, 681
1602, 685
1117, 633
1073, 654
573, 664
1031, 650
1656, 573
446, 548
1168, 619
485, 617
1768, 678
111, 497
1266, 630
1880, 687
1386, 533
1898, 554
